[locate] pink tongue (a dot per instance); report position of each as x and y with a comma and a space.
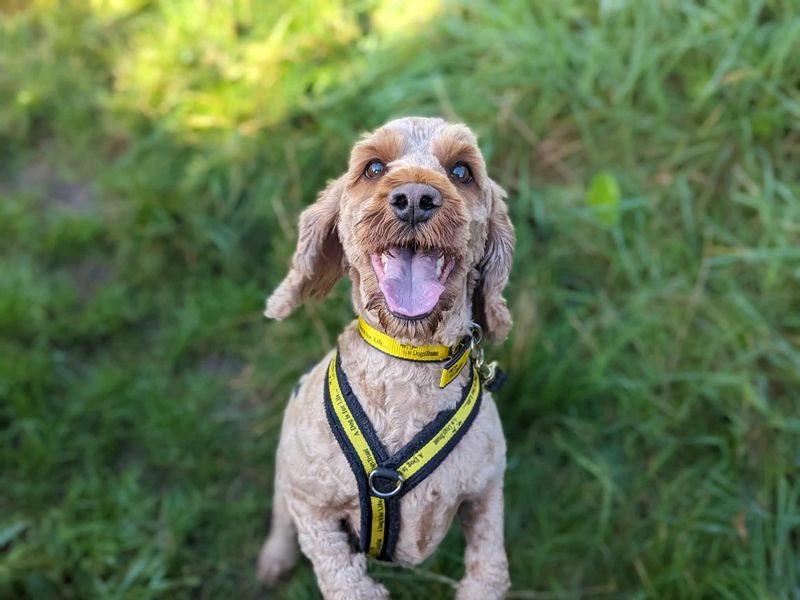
410, 285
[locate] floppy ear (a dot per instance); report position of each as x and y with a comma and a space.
488, 305
318, 262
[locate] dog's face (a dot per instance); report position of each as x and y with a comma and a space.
422, 230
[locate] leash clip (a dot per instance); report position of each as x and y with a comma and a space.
487, 372
476, 351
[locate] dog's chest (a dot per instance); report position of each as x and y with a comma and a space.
399, 405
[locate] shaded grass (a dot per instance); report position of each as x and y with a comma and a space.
154, 158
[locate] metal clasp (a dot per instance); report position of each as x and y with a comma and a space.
487, 372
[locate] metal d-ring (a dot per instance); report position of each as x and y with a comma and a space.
385, 473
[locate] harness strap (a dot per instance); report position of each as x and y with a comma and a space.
372, 466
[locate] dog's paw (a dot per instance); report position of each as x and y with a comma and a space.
365, 589
274, 562
472, 589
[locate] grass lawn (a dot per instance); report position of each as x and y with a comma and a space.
154, 157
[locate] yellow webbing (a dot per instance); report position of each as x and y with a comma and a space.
349, 423
451, 372
356, 437
432, 353
389, 345
378, 526
429, 450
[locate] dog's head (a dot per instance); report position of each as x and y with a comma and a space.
423, 231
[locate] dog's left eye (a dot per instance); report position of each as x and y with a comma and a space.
461, 173
375, 169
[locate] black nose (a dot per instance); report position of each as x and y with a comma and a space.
415, 202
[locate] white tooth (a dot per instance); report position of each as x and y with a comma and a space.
384, 260
439, 266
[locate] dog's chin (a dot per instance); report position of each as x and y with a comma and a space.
416, 318
417, 329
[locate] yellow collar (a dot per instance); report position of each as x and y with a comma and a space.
456, 357
389, 345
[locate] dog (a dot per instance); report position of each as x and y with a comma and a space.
425, 237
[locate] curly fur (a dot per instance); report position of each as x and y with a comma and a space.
316, 498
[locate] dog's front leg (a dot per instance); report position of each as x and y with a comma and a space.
486, 575
341, 574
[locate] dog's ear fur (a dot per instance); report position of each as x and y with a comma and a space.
488, 305
318, 261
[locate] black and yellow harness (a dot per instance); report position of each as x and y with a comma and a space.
384, 479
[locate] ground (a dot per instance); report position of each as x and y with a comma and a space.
154, 157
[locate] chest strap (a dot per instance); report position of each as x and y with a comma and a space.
456, 357
382, 479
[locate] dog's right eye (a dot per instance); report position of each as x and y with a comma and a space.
375, 169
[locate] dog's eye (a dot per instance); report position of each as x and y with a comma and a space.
375, 169
461, 173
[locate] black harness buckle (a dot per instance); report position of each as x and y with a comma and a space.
384, 473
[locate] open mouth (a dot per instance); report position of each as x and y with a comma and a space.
412, 280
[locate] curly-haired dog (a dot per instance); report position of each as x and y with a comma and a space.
425, 237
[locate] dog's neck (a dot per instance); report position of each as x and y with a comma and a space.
399, 396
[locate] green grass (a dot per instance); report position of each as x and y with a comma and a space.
153, 160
